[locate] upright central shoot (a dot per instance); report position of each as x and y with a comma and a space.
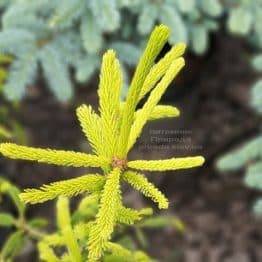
112, 133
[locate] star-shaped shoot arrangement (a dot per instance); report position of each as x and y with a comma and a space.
112, 133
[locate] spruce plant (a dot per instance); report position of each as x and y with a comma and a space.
112, 133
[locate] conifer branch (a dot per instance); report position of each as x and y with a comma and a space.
101, 232
46, 253
49, 156
109, 90
129, 216
156, 42
141, 257
89, 201
153, 99
140, 183
91, 126
71, 187
111, 134
120, 252
53, 240
81, 230
159, 69
167, 164
160, 111
64, 223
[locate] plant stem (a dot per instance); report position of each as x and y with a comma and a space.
31, 232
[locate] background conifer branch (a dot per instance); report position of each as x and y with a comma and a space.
81, 230
54, 239
47, 253
64, 223
120, 251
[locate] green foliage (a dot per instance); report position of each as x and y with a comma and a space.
249, 156
9, 127
5, 60
256, 91
112, 134
253, 176
258, 207
6, 220
22, 229
257, 63
256, 96
5, 133
251, 151
245, 19
240, 21
73, 230
12, 246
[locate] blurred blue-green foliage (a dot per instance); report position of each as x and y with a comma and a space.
57, 36
249, 155
245, 19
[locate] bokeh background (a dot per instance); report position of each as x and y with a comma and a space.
50, 56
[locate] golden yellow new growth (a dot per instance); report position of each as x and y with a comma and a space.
46, 253
68, 236
160, 111
152, 101
50, 156
140, 183
167, 164
112, 133
71, 187
159, 69
91, 126
101, 232
156, 42
109, 97
120, 251
129, 216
